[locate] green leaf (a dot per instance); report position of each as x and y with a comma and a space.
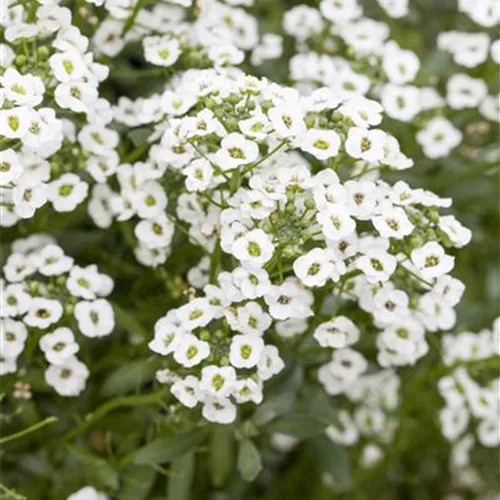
249, 461
98, 467
137, 482
129, 322
181, 478
333, 460
140, 135
317, 404
221, 454
166, 449
129, 377
301, 426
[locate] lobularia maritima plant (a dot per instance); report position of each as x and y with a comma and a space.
249, 240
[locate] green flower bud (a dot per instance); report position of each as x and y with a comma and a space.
310, 120
309, 204
205, 335
416, 241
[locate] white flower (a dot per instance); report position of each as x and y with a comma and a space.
401, 103
68, 378
439, 137
156, 232
15, 122
84, 282
23, 90
257, 126
236, 150
78, 96
89, 492
340, 12
187, 391
161, 51
28, 195
217, 382
363, 112
322, 144
393, 223
252, 283
167, 337
67, 66
251, 319
191, 351
377, 265
431, 260
248, 390
11, 167
220, 411
43, 313
454, 421
67, 192
253, 249
335, 222
315, 268
149, 200
52, 261
458, 234
270, 363
14, 299
59, 345
338, 333
13, 335
245, 350
95, 318
195, 314
465, 92
488, 432
371, 455
288, 300
198, 175
365, 144
400, 66
346, 433
287, 120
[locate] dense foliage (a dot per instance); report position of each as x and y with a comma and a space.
249, 249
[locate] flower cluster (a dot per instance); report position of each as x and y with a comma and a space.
375, 398
46, 298
52, 120
216, 344
294, 227
470, 407
186, 34
338, 47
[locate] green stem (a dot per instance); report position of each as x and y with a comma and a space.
104, 409
28, 430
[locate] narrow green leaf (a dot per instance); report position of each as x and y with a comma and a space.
129, 377
301, 426
166, 449
249, 461
98, 467
129, 322
181, 477
332, 459
137, 482
221, 454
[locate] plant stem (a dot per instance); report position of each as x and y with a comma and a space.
28, 430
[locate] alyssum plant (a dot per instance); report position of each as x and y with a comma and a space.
319, 286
